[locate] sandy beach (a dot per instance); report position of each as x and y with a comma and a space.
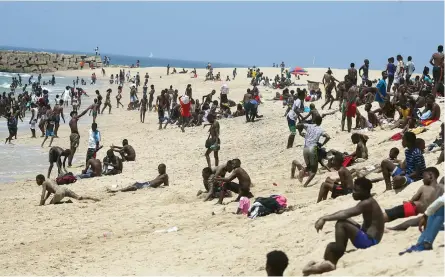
116, 236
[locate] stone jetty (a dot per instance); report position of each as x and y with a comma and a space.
43, 62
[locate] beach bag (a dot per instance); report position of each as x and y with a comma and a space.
68, 178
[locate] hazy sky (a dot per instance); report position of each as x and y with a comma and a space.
260, 33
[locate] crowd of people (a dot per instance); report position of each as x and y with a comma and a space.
400, 100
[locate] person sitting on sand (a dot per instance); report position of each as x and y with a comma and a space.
361, 151
55, 155
93, 168
313, 134
415, 165
372, 118
343, 185
243, 188
276, 263
313, 113
48, 188
212, 187
362, 237
424, 196
162, 178
112, 165
127, 151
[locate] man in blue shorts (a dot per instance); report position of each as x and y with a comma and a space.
413, 171
362, 237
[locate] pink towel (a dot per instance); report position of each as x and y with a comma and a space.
244, 205
282, 201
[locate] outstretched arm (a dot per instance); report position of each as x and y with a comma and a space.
345, 214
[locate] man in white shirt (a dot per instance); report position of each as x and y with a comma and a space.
93, 142
409, 68
399, 70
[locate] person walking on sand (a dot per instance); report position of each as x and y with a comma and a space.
362, 237
213, 143
48, 188
55, 156
107, 102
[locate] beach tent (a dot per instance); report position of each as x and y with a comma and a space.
299, 71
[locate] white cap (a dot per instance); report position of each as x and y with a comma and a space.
185, 99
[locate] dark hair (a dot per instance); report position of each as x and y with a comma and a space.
110, 152
419, 142
318, 120
236, 159
433, 170
94, 125
368, 106
410, 138
97, 91
125, 141
355, 136
440, 48
364, 183
207, 170
410, 58
277, 261
72, 112
338, 158
40, 177
352, 64
395, 150
162, 165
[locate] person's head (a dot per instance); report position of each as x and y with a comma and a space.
95, 101
210, 118
206, 172
97, 92
312, 106
337, 161
40, 179
362, 189
318, 120
109, 90
430, 175
420, 143
366, 61
399, 58
213, 92
426, 70
440, 48
110, 153
384, 75
125, 142
215, 102
368, 107
162, 168
73, 113
66, 152
409, 140
152, 86
393, 153
236, 163
94, 126
171, 87
276, 263
355, 138
430, 99
410, 58
60, 102
229, 166
352, 65
329, 71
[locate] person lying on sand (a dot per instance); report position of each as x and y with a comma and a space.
127, 151
162, 178
48, 188
243, 188
340, 186
424, 196
93, 168
55, 155
362, 237
276, 264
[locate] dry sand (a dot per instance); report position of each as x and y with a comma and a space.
69, 239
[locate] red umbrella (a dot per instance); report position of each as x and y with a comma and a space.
299, 71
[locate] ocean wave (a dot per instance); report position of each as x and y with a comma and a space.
5, 85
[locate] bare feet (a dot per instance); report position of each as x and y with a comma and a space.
300, 176
318, 268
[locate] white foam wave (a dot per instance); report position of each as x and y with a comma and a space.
5, 85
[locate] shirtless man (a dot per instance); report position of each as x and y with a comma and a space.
55, 155
74, 136
329, 83
112, 165
42, 115
365, 69
161, 103
424, 196
119, 97
437, 61
243, 188
313, 113
143, 108
49, 127
352, 73
432, 106
58, 112
208, 98
362, 237
213, 143
107, 102
155, 183
99, 100
93, 168
127, 151
372, 118
361, 151
49, 188
151, 97
349, 106
95, 109
341, 186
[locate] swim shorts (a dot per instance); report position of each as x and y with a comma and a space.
142, 185
74, 140
12, 131
352, 109
49, 133
52, 156
310, 155
57, 119
408, 209
161, 114
339, 190
363, 241
437, 73
399, 172
32, 125
292, 126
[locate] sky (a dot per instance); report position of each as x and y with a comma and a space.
250, 33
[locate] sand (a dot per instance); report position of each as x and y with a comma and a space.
116, 236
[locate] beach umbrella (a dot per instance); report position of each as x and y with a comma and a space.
299, 71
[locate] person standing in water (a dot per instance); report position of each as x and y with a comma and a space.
58, 112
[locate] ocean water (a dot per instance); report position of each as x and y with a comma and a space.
20, 160
146, 61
